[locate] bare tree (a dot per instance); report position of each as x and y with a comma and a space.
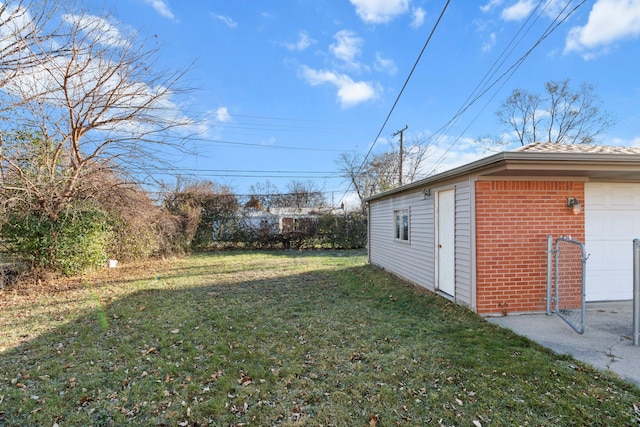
92, 98
299, 194
197, 206
562, 115
381, 171
265, 193
302, 194
351, 166
414, 156
23, 41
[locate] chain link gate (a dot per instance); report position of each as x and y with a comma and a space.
568, 291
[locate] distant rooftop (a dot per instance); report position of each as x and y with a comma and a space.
547, 147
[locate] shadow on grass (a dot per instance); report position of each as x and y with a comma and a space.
336, 345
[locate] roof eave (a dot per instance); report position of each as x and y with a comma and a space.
451, 173
508, 157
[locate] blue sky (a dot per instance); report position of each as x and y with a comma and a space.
285, 86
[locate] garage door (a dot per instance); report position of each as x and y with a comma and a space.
612, 221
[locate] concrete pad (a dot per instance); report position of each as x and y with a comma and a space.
607, 342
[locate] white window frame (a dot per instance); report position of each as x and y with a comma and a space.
402, 233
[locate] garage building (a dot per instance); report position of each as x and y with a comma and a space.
477, 234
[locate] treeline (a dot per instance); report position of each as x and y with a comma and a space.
123, 222
213, 217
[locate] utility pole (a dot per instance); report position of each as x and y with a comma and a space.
400, 132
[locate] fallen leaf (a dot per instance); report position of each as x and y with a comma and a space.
244, 380
477, 423
175, 331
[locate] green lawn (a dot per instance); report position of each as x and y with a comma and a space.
278, 338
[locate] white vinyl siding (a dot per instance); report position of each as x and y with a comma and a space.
416, 261
413, 261
463, 244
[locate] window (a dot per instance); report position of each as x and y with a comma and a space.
401, 224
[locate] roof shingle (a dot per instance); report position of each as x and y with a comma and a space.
547, 147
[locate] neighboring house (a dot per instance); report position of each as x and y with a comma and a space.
271, 221
477, 234
290, 219
257, 219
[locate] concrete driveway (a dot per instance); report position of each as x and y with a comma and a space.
606, 344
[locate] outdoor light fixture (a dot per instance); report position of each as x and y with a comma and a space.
575, 205
425, 193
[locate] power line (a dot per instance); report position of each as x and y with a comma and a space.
253, 145
506, 75
287, 119
406, 82
254, 171
237, 175
269, 127
277, 194
481, 85
249, 174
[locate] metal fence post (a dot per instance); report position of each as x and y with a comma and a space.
636, 291
549, 272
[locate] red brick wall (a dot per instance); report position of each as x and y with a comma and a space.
513, 219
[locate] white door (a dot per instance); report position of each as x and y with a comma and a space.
445, 250
612, 221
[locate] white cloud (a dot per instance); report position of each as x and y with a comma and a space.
347, 47
447, 152
161, 7
16, 27
222, 115
518, 11
227, 20
350, 93
553, 8
489, 43
609, 21
303, 42
493, 3
99, 29
379, 11
418, 17
385, 64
